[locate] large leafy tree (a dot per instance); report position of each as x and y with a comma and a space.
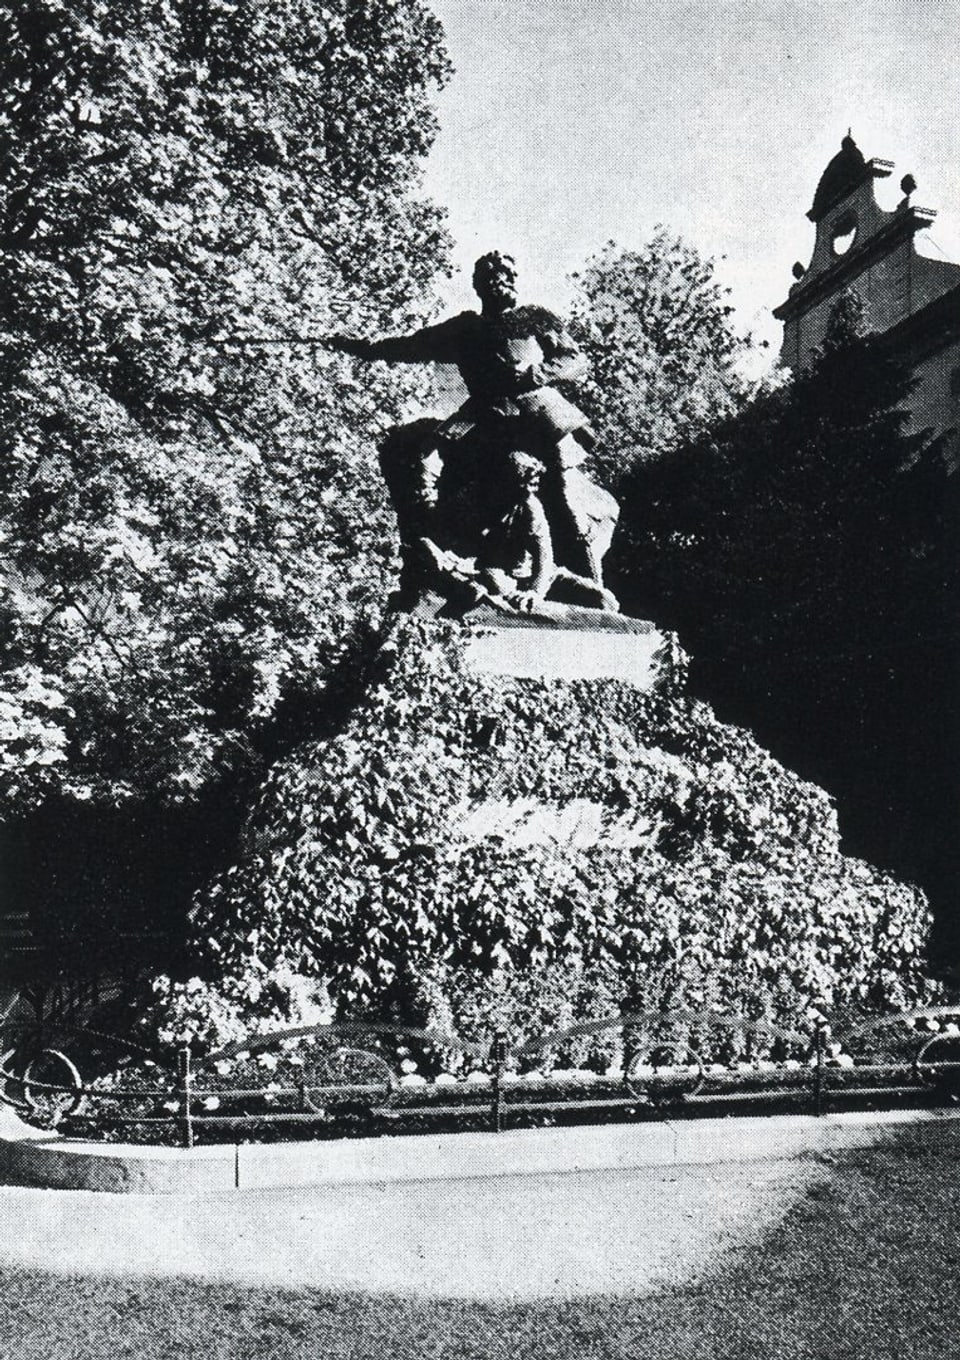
190, 527
665, 356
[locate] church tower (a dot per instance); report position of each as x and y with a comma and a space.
911, 300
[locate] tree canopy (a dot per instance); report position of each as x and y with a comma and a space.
656, 325
189, 527
802, 527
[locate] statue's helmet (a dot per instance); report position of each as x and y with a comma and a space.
492, 266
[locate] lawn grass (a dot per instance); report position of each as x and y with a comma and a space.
864, 1268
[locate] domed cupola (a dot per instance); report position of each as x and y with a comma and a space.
848, 169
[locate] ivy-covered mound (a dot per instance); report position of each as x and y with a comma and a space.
475, 849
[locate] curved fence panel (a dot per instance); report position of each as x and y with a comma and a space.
368, 1076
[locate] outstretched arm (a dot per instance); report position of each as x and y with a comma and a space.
433, 344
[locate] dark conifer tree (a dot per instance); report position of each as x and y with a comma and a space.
805, 550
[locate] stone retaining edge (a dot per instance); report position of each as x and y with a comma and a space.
29, 1157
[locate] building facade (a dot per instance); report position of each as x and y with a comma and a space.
909, 299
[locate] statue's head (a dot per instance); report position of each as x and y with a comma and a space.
525, 471
495, 280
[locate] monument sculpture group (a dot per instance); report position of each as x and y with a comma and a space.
492, 503
531, 819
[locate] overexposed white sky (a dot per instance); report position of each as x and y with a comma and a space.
572, 122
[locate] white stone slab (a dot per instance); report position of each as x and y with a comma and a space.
567, 654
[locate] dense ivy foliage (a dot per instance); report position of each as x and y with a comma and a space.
471, 847
186, 529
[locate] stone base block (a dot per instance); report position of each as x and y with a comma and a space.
546, 652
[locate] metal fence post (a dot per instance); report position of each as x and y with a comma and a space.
818, 1065
498, 1055
185, 1092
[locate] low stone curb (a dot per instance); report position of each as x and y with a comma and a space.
29, 1157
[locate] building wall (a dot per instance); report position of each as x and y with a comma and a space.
935, 402
884, 285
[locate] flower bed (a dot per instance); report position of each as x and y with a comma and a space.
364, 1080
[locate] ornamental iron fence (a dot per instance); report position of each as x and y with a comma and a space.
372, 1076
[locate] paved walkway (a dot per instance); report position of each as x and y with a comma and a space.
600, 1229
513, 1237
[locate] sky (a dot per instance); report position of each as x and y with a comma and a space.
569, 123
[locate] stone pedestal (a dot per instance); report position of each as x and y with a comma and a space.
526, 820
626, 649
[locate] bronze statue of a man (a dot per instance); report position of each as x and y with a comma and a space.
509, 357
